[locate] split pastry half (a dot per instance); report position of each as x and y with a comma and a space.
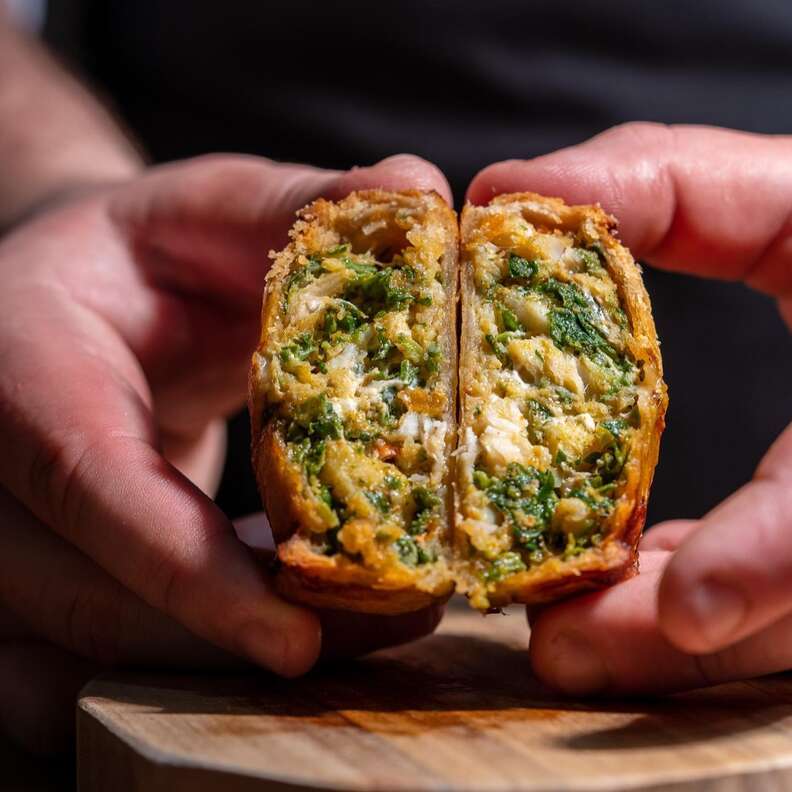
562, 402
353, 402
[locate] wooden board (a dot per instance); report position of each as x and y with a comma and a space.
455, 711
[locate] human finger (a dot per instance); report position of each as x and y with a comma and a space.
610, 643
345, 634
52, 592
730, 577
712, 202
667, 535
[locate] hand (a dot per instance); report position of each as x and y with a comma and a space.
127, 320
713, 601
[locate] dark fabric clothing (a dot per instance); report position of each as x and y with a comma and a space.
464, 84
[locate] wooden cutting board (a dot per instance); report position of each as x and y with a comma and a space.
455, 711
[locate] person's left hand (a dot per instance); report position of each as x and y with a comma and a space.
713, 600
128, 315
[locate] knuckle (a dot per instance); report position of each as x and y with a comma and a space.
43, 473
405, 158
412, 169
641, 131
60, 478
167, 582
172, 573
54, 477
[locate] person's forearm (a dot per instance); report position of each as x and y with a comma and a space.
55, 138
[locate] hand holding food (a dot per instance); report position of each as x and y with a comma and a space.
127, 320
713, 600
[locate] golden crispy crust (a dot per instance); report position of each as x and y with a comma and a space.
616, 558
300, 579
305, 576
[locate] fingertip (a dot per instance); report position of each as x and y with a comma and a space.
667, 535
397, 172
303, 643
675, 616
697, 615
289, 646
346, 634
566, 661
562, 656
567, 174
493, 180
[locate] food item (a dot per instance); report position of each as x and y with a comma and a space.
353, 402
562, 402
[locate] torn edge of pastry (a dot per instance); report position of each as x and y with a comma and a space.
562, 402
353, 402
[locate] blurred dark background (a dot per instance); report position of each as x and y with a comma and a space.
465, 84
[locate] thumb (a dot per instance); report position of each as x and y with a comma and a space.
220, 214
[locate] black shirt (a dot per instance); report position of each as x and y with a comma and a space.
464, 84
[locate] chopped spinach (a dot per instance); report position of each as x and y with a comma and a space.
574, 326
309, 454
392, 407
568, 294
375, 292
424, 499
330, 545
527, 499
615, 426
411, 552
590, 259
301, 277
500, 343
594, 498
409, 348
300, 348
408, 373
538, 413
522, 268
397, 298
426, 506
316, 419
382, 346
432, 359
607, 465
360, 268
560, 457
343, 316
576, 545
509, 319
378, 501
504, 565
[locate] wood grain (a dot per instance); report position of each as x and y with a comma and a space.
456, 711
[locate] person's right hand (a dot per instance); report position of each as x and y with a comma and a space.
713, 602
127, 319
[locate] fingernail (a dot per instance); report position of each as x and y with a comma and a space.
718, 611
576, 668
